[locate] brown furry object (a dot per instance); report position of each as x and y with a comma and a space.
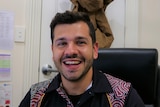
96, 10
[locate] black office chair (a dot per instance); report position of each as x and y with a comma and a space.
138, 66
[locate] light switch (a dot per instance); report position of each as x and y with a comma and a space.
19, 34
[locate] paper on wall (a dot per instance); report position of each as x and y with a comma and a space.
6, 30
5, 67
5, 95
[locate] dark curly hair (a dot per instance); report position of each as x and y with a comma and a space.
69, 17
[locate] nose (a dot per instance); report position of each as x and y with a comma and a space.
71, 49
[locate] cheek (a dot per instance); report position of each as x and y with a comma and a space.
55, 60
56, 55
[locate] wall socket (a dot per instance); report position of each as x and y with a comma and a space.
19, 34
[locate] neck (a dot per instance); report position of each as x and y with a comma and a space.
78, 87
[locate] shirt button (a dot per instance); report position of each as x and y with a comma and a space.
78, 102
90, 93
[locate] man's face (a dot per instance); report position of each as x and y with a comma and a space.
73, 51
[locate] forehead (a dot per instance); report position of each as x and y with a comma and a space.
74, 30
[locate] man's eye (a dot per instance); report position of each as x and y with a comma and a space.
81, 42
61, 44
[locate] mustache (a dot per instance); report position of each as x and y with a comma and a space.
72, 56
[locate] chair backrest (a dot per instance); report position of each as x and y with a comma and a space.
136, 65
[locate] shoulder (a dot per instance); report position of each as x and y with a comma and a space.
120, 89
117, 82
39, 86
118, 85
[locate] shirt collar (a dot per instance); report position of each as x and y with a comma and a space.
100, 82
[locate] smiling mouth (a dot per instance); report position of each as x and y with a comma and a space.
72, 62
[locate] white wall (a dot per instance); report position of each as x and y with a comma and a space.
17, 54
149, 30
149, 24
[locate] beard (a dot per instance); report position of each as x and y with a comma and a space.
82, 75
86, 69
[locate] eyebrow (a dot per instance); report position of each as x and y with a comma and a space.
80, 37
59, 39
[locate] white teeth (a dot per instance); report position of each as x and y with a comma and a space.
72, 62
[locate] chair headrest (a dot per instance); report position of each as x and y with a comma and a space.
136, 65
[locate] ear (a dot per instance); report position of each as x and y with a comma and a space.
95, 50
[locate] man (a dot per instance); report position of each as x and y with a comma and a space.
78, 84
